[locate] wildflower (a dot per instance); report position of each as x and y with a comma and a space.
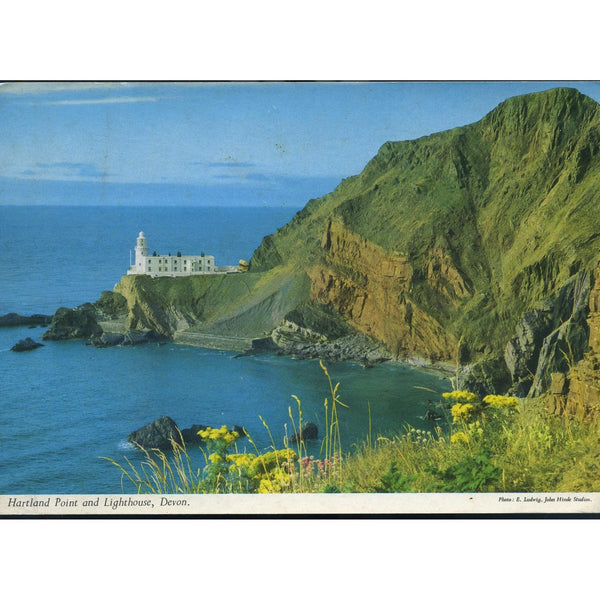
241, 460
509, 402
268, 486
222, 434
215, 458
461, 396
462, 412
459, 437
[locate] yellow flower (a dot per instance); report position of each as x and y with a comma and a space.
215, 458
502, 401
241, 460
462, 412
461, 396
459, 437
268, 487
222, 434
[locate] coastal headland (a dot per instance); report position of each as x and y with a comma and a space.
476, 246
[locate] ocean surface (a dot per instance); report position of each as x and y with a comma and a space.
66, 405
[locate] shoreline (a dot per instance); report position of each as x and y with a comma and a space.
245, 346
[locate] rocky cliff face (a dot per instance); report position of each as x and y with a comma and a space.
476, 243
370, 289
550, 337
578, 391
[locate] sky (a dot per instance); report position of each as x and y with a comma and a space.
264, 144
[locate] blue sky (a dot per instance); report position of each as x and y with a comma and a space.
245, 143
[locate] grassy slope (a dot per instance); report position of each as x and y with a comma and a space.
245, 304
512, 198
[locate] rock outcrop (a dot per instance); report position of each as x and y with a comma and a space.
26, 345
578, 392
73, 323
16, 320
157, 434
88, 322
370, 289
550, 338
310, 431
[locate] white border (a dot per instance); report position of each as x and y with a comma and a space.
365, 504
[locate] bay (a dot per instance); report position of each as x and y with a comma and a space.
66, 405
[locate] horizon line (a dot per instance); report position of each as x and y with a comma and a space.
152, 205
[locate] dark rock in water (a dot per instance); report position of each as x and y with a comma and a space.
156, 434
190, 434
309, 432
106, 340
239, 430
73, 323
16, 320
432, 415
26, 345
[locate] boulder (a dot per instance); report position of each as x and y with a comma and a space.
156, 434
309, 432
73, 323
239, 430
26, 345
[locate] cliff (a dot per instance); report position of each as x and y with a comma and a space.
577, 392
242, 305
476, 244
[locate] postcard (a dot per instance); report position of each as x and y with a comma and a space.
300, 298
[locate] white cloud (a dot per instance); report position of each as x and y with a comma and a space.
116, 100
39, 87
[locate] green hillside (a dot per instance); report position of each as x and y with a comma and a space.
511, 201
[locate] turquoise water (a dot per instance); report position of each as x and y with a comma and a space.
65, 405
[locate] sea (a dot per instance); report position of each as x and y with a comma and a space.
66, 406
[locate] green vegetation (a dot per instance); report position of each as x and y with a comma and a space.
510, 201
473, 228
494, 444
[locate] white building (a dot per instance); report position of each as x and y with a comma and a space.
159, 265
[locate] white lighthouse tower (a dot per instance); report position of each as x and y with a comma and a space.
141, 251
